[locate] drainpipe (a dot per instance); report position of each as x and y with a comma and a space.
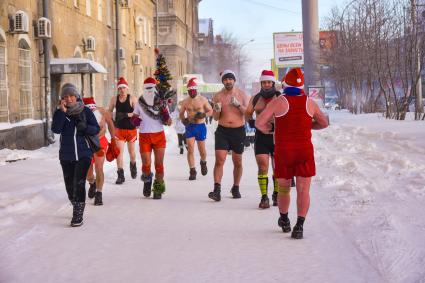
48, 135
117, 38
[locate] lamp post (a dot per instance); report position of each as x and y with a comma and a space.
239, 58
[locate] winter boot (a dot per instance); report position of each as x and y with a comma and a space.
158, 189
92, 190
133, 170
192, 174
77, 214
284, 224
264, 203
98, 198
147, 186
120, 178
297, 233
235, 192
216, 194
274, 198
204, 168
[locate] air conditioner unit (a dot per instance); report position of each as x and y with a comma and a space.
44, 28
121, 54
126, 3
139, 44
136, 59
21, 22
90, 44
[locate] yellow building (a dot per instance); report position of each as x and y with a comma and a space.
83, 29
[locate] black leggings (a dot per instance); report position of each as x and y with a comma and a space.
74, 175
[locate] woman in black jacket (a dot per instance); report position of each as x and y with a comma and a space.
73, 121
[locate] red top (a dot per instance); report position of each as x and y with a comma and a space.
293, 128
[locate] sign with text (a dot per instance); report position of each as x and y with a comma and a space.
288, 49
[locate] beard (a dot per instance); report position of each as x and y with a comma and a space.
228, 86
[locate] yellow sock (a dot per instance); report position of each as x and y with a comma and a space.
275, 185
263, 182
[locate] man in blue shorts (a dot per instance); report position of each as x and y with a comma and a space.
196, 108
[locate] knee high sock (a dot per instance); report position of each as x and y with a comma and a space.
263, 182
275, 185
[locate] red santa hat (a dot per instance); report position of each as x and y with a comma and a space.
294, 78
149, 82
122, 83
192, 84
89, 102
267, 75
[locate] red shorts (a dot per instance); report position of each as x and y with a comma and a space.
126, 135
292, 162
104, 145
149, 141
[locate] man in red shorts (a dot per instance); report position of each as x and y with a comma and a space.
295, 115
96, 182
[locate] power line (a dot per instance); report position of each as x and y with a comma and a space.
272, 7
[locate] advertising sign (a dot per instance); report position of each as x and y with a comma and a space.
288, 49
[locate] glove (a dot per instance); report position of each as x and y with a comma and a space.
165, 115
200, 115
185, 122
135, 121
120, 115
217, 107
251, 123
235, 102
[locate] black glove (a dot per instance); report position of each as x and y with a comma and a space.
120, 115
185, 121
200, 115
251, 123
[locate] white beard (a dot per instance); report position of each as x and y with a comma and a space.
149, 96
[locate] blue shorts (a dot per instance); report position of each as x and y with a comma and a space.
197, 131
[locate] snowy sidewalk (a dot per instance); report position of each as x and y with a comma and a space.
351, 233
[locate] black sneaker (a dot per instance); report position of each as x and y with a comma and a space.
192, 174
147, 184
264, 203
285, 225
92, 190
181, 150
204, 168
133, 170
98, 199
216, 194
297, 233
235, 192
274, 198
120, 178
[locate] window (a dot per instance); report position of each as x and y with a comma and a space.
149, 34
145, 31
170, 4
108, 13
25, 83
124, 21
4, 113
99, 10
88, 8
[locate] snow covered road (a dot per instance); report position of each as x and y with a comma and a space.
365, 223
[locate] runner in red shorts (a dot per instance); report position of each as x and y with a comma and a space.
294, 117
96, 182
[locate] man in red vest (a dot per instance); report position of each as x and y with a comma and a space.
295, 115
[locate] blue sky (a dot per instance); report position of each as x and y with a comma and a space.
258, 20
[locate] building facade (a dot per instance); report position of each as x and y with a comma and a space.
79, 29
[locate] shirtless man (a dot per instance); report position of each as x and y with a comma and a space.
126, 132
229, 109
197, 109
103, 118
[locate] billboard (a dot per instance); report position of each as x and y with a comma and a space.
288, 49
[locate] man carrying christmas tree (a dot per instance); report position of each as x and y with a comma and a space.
196, 108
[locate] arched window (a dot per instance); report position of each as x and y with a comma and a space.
139, 22
25, 81
4, 110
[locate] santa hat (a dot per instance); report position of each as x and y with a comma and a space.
149, 82
267, 75
294, 78
192, 84
89, 102
122, 83
228, 74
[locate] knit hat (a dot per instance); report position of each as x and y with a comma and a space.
89, 102
227, 74
267, 75
192, 84
294, 78
149, 82
69, 89
122, 83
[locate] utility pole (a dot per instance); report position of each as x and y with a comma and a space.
48, 135
157, 23
117, 39
311, 42
416, 32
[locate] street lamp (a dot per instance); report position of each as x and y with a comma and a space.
239, 58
